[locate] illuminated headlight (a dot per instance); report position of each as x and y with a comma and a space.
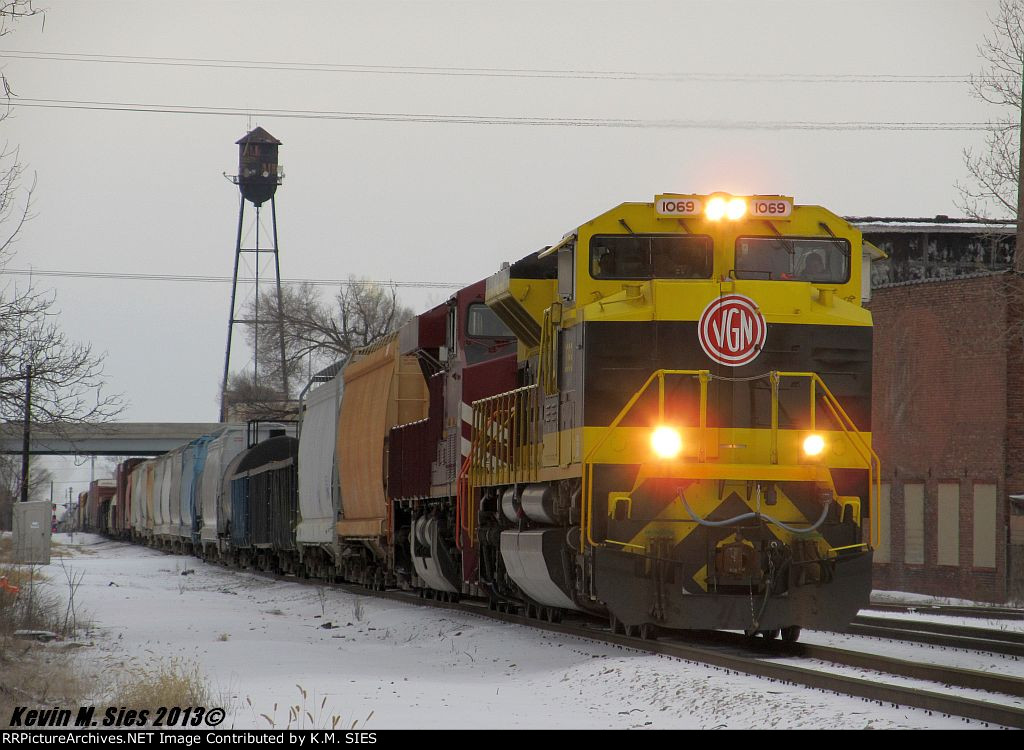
814, 445
666, 442
721, 207
735, 208
716, 208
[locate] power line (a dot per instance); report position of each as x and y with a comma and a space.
227, 279
463, 119
570, 74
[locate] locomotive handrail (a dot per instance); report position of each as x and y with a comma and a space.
461, 496
866, 452
842, 419
505, 444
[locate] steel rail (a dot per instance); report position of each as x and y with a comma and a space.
940, 634
721, 657
724, 655
952, 610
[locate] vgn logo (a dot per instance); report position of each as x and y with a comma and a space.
732, 330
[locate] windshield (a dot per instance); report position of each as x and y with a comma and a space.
650, 256
483, 322
818, 259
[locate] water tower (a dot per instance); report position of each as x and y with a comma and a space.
259, 175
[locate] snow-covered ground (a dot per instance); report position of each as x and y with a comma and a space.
384, 664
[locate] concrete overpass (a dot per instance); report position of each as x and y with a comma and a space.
113, 439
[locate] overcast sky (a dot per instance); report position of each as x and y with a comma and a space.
712, 90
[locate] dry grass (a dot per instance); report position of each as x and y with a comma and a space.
34, 674
305, 715
38, 675
34, 607
174, 683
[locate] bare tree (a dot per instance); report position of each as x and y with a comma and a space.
67, 383
247, 399
994, 173
318, 334
10, 486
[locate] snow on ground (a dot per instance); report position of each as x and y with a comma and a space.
386, 664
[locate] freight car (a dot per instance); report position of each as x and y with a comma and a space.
663, 419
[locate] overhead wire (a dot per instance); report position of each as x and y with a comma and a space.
420, 284
468, 119
490, 72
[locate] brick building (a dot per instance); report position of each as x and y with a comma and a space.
948, 408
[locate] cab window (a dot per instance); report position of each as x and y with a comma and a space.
482, 322
650, 256
824, 260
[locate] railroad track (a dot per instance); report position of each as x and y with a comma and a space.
741, 654
757, 657
953, 610
940, 634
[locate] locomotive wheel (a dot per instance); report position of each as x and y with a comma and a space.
791, 634
770, 635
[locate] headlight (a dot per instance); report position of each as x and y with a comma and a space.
715, 208
814, 445
721, 207
735, 208
666, 442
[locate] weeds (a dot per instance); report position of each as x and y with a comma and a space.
74, 580
302, 715
357, 609
35, 674
174, 683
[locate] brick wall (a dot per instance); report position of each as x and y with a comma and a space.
941, 400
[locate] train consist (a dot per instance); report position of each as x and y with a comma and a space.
662, 419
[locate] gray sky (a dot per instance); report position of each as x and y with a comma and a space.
143, 192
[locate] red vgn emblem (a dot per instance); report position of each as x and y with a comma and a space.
732, 330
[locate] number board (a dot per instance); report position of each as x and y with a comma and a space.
678, 206
769, 206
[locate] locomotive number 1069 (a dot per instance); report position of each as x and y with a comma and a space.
770, 207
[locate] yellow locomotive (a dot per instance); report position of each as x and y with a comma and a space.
689, 446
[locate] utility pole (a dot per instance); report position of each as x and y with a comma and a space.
1018, 254
26, 434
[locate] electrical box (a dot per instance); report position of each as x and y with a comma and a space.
32, 533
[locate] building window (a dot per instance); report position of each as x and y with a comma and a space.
949, 524
984, 526
883, 545
913, 524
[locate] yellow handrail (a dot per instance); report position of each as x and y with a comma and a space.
505, 444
